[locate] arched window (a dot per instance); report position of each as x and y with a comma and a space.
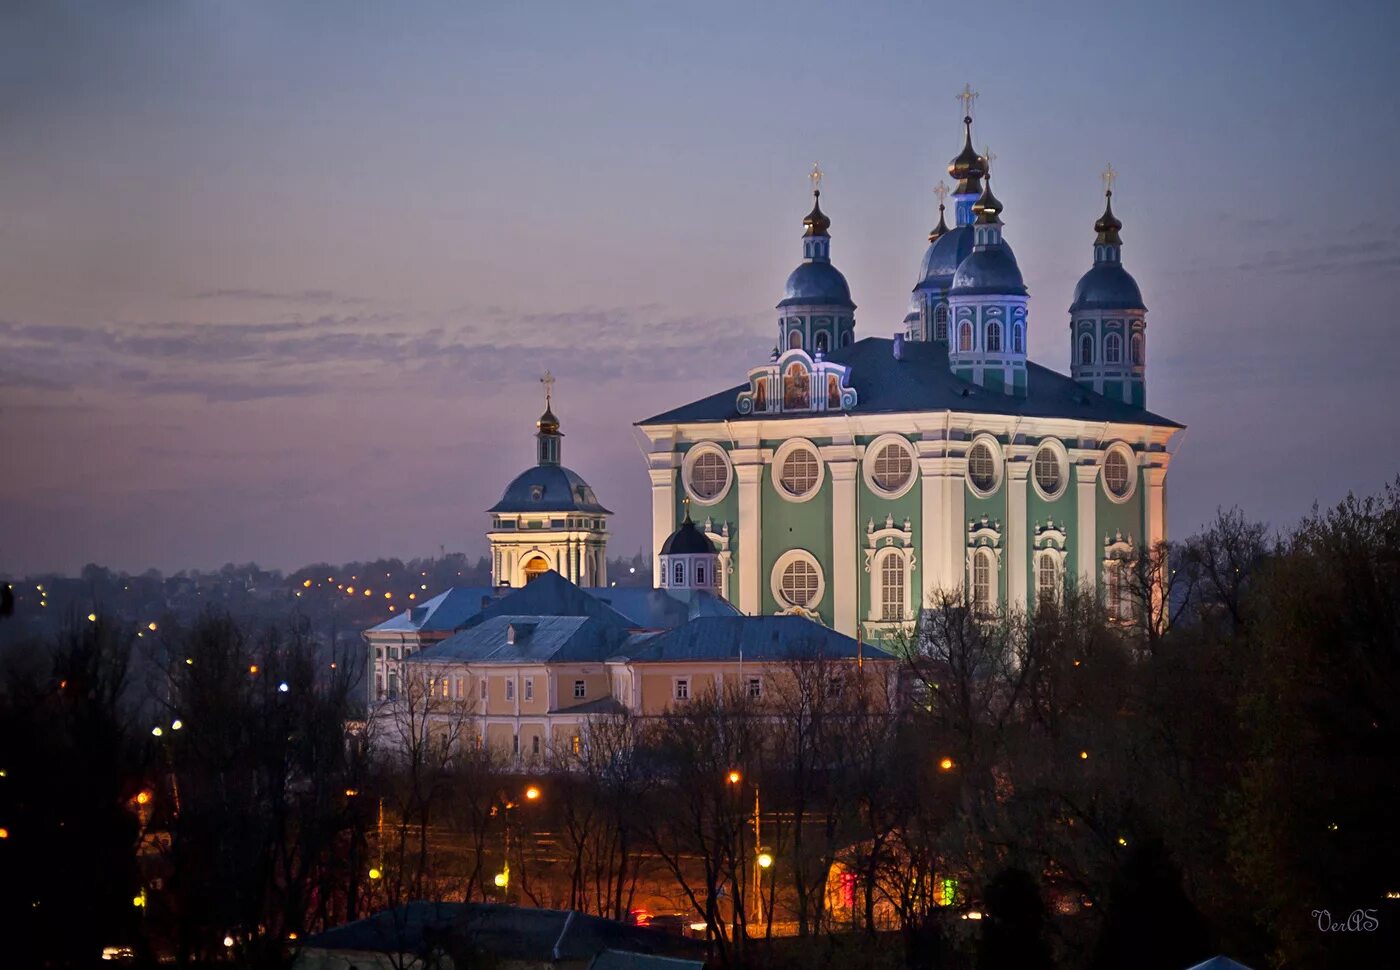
965, 336
846, 339
1115, 473
678, 574
822, 342
1018, 339
1047, 577
699, 575
797, 389
1086, 349
794, 340
535, 568
1135, 349
1112, 348
1118, 597
760, 395
892, 587
833, 392
940, 322
982, 582
994, 337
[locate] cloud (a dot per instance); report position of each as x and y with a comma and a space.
281, 296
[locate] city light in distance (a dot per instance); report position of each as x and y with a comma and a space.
252, 668
4, 833
1083, 756
283, 688
92, 617
532, 793
151, 626
176, 724
946, 764
228, 941
156, 731
735, 777
143, 797
375, 873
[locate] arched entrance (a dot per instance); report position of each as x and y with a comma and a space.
535, 567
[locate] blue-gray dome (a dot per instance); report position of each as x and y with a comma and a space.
688, 540
1108, 286
992, 270
942, 258
817, 282
549, 488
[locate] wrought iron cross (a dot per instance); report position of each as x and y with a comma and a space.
967, 96
941, 191
816, 178
548, 381
1108, 176
988, 157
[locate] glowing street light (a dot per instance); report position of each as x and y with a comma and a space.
734, 777
176, 724
532, 793
151, 626
156, 731
143, 797
1083, 756
502, 879
92, 617
765, 861
228, 941
375, 873
946, 764
282, 688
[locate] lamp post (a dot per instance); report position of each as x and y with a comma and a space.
737, 779
531, 793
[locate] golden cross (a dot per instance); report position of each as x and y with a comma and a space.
941, 191
967, 96
548, 381
816, 178
988, 157
1108, 176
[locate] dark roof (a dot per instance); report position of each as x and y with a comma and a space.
506, 932
756, 638
559, 490
990, 270
942, 257
688, 540
1108, 286
599, 705
550, 594
1219, 963
922, 381
624, 960
445, 612
530, 638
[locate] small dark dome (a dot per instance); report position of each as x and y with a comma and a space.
1108, 224
817, 282
967, 166
938, 231
988, 207
1108, 286
992, 270
817, 222
688, 540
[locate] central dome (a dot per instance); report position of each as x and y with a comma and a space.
817, 282
992, 270
549, 488
942, 258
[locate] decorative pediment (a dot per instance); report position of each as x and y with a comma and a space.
1048, 535
1118, 546
796, 382
984, 532
801, 611
889, 536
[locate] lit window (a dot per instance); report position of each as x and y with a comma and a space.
682, 689
709, 475
459, 688
982, 467
1047, 471
893, 467
994, 337
1115, 473
1112, 348
1086, 349
755, 688
799, 583
801, 469
1135, 349
940, 322
576, 744
892, 587
982, 582
965, 336
580, 689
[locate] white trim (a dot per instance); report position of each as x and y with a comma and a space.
780, 455
880, 545
1121, 448
1061, 456
873, 450
775, 581
998, 465
691, 456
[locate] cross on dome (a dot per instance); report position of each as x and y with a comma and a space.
548, 381
816, 179
941, 191
988, 157
967, 96
1109, 176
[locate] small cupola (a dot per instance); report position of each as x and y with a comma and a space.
689, 560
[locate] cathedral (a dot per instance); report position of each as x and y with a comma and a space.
844, 479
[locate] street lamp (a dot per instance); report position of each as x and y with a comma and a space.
765, 860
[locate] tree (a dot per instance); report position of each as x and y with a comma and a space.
1013, 925
1150, 922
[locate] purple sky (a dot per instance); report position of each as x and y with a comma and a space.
277, 280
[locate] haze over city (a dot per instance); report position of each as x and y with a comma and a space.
277, 283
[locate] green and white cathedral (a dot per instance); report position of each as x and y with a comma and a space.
846, 478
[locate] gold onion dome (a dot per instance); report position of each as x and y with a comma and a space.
988, 207
968, 166
816, 222
1108, 225
548, 423
936, 233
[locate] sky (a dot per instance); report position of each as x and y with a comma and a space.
278, 279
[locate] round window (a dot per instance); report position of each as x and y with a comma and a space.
708, 476
1047, 471
893, 467
1115, 474
799, 583
982, 467
800, 472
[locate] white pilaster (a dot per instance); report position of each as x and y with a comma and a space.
1017, 545
1086, 552
750, 477
844, 567
942, 539
663, 505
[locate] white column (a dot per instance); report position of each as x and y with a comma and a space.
750, 478
1017, 546
940, 531
1086, 549
844, 567
955, 514
663, 505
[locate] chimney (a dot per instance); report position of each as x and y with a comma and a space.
898, 346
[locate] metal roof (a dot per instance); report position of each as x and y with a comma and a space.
921, 382
529, 638
756, 638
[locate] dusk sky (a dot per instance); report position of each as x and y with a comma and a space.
278, 280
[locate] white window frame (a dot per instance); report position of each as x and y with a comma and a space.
998, 465
529, 689
878, 589
1056, 447
1111, 343
580, 690
753, 688
510, 689
680, 688
1119, 448
1053, 559
1086, 339
780, 457
692, 455
776, 581
872, 451
986, 555
994, 346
